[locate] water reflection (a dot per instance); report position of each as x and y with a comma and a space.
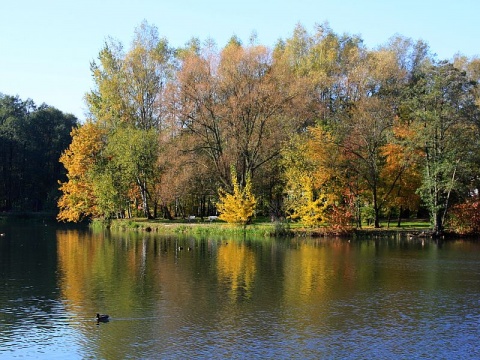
181, 297
236, 269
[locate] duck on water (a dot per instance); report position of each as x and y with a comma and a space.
102, 318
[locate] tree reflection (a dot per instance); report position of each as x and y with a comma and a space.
236, 268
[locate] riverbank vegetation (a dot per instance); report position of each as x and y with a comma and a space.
262, 227
321, 130
329, 133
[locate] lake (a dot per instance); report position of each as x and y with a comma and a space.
208, 298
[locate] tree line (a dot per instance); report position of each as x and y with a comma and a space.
321, 129
32, 138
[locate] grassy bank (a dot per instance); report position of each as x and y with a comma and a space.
198, 227
260, 227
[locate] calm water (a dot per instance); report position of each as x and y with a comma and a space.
283, 299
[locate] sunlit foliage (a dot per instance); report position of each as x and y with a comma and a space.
320, 129
78, 199
237, 207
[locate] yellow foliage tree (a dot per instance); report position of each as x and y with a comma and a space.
237, 208
301, 202
78, 199
315, 186
310, 209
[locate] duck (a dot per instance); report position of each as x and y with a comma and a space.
102, 318
2, 234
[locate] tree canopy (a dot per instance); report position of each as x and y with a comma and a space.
32, 139
315, 127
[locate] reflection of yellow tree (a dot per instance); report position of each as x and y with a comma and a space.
119, 276
81, 262
236, 266
308, 276
95, 272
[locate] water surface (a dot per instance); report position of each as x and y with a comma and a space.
181, 297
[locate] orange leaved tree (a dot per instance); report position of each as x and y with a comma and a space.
78, 199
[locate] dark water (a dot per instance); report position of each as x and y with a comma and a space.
241, 299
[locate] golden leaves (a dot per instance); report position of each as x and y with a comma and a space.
239, 207
78, 198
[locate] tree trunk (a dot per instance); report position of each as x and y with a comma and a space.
146, 209
129, 210
166, 213
438, 224
144, 194
399, 216
358, 214
376, 209
377, 219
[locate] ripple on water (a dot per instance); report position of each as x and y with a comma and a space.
37, 327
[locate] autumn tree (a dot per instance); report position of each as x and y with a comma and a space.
361, 137
351, 92
306, 204
334, 65
302, 201
365, 123
237, 107
129, 86
78, 199
333, 178
320, 119
237, 207
401, 170
128, 101
318, 190
464, 218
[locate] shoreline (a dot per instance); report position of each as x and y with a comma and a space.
259, 228
410, 229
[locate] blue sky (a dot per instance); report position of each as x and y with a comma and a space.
46, 46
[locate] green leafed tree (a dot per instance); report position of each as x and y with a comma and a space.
128, 102
443, 108
132, 155
32, 139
